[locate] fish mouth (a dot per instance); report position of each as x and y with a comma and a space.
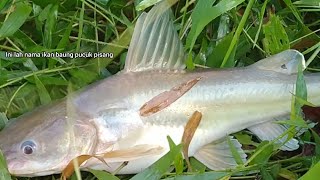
12, 161
31, 173
21, 167
14, 166
17, 167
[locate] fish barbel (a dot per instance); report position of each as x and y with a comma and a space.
106, 116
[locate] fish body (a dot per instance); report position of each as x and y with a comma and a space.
106, 116
230, 101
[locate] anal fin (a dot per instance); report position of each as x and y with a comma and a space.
270, 131
218, 156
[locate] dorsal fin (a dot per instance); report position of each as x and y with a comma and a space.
155, 43
286, 62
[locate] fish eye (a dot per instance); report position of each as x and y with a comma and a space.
28, 147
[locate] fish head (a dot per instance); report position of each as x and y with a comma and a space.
42, 142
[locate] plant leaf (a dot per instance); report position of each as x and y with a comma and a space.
15, 20
216, 57
43, 93
287, 174
4, 173
102, 175
294, 10
50, 26
262, 153
234, 151
313, 173
276, 38
207, 175
3, 120
145, 4
204, 13
301, 91
178, 161
65, 38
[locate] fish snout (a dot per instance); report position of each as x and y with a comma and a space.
13, 166
13, 162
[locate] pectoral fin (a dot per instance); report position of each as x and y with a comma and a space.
270, 131
218, 155
136, 152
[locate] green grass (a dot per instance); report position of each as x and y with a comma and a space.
222, 34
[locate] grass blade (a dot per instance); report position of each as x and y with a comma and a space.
124, 40
313, 173
145, 4
294, 10
262, 11
15, 20
237, 33
301, 90
4, 173
234, 151
207, 175
3, 4
202, 15
43, 93
65, 38
3, 120
50, 26
216, 57
101, 175
80, 26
